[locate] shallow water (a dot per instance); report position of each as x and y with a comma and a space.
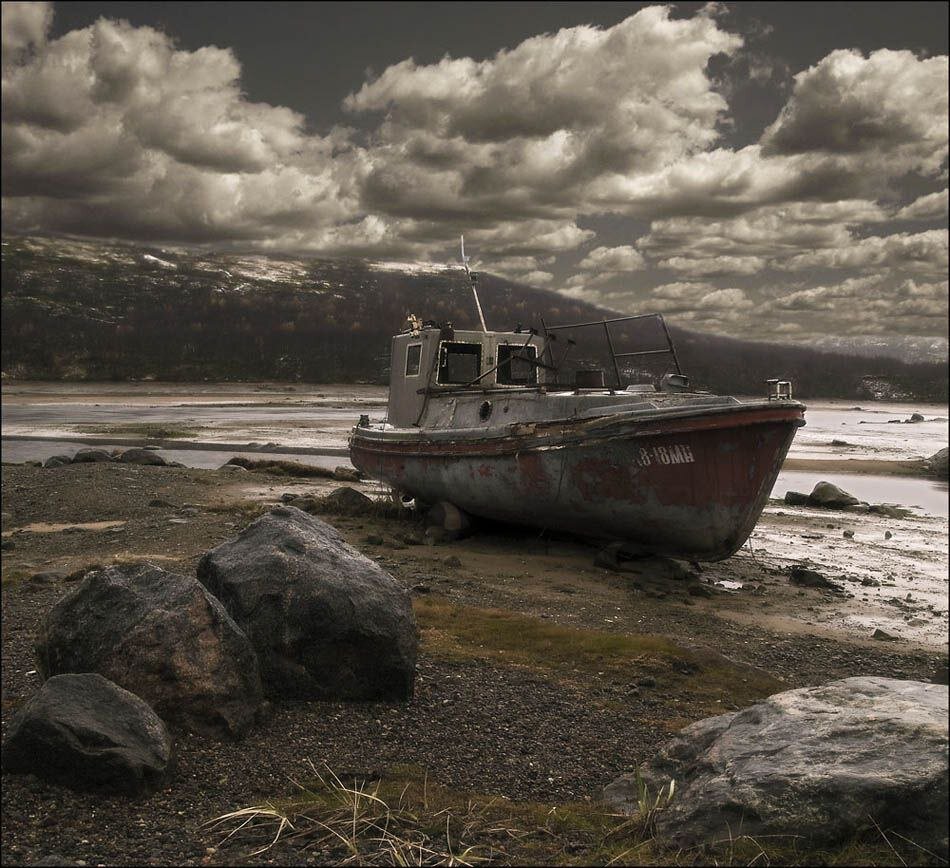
924, 495
320, 417
879, 432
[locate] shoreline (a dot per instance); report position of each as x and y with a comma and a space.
862, 466
916, 468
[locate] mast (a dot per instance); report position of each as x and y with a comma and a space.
473, 277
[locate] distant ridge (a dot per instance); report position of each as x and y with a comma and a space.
95, 310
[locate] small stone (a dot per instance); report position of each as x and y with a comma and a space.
887, 534
287, 497
883, 635
848, 534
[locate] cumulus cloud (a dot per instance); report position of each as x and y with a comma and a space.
923, 252
889, 104
111, 129
529, 131
23, 27
612, 259
115, 130
929, 207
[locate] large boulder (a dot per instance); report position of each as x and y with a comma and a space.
937, 463
831, 497
165, 637
92, 456
85, 732
821, 764
142, 456
347, 501
327, 622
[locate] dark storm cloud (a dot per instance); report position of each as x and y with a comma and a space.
114, 129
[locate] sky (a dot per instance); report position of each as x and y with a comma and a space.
763, 170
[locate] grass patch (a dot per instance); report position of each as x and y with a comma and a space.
245, 509
141, 429
703, 677
402, 817
281, 468
494, 633
14, 576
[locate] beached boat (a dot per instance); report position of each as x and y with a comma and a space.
485, 421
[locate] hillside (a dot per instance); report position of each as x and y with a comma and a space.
100, 311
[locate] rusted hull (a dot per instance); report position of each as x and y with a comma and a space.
691, 487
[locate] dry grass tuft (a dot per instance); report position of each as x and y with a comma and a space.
370, 824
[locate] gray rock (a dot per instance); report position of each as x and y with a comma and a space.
883, 635
916, 417
92, 456
142, 456
327, 622
818, 763
831, 497
613, 557
938, 463
451, 519
88, 733
347, 501
232, 468
804, 577
162, 635
57, 461
287, 497
796, 498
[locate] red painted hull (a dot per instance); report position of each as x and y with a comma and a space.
680, 484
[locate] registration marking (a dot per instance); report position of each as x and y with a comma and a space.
676, 454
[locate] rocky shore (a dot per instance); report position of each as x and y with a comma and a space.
516, 696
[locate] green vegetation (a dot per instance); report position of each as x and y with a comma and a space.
698, 677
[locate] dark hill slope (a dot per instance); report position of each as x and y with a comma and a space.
98, 311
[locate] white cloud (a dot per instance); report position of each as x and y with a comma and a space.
712, 266
529, 132
923, 252
23, 27
889, 105
112, 130
928, 207
613, 259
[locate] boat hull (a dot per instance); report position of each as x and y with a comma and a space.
689, 486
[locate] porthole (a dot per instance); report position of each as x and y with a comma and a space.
484, 412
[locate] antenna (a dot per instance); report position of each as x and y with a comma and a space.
473, 276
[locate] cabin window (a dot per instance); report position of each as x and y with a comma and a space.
459, 363
515, 367
413, 359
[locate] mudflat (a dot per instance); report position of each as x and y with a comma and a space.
542, 677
